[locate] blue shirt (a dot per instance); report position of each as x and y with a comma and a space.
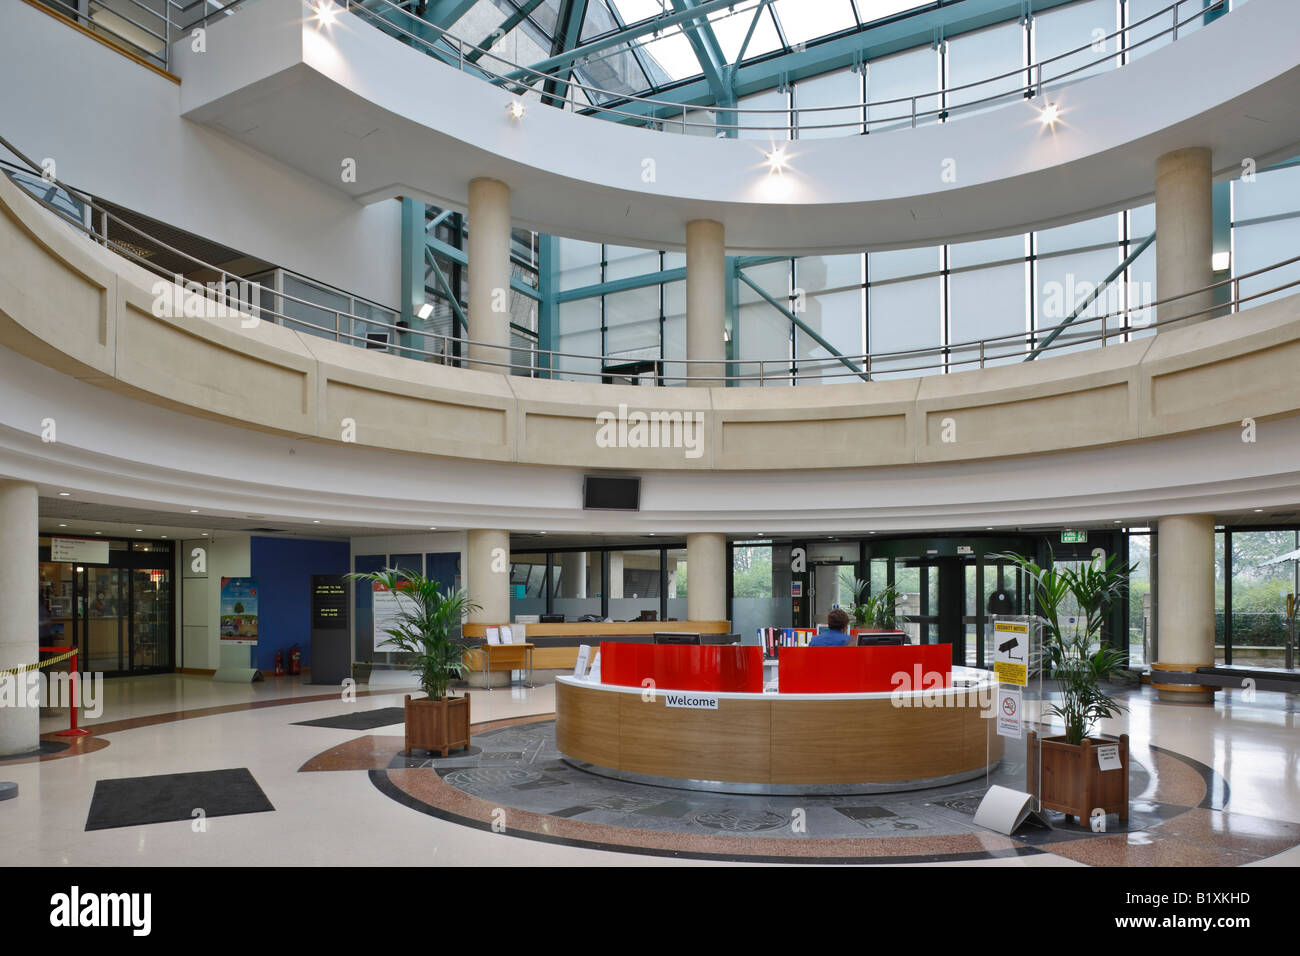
830, 638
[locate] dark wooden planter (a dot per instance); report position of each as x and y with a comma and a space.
361, 672
1073, 783
437, 725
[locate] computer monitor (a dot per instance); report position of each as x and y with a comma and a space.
676, 637
881, 640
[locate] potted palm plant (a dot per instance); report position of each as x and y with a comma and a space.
873, 612
1073, 603
426, 627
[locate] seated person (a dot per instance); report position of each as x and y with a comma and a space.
837, 635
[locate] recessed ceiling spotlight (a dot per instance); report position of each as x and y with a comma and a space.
1258, 510
516, 109
541, 532
432, 528
326, 12
99, 532
139, 529
1050, 114
315, 521
64, 494
777, 160
205, 534
63, 526
194, 511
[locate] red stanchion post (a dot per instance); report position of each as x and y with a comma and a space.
73, 730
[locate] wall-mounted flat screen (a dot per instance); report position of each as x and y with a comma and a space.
602, 493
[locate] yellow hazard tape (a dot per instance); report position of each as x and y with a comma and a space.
45, 663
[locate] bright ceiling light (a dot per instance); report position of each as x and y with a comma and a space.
1050, 114
1220, 261
777, 161
326, 12
64, 494
426, 310
516, 109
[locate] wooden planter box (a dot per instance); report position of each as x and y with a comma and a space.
1073, 783
437, 725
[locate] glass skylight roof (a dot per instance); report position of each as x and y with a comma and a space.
650, 60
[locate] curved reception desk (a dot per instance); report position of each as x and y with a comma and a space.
711, 724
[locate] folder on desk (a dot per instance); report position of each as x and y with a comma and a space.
493, 635
506, 636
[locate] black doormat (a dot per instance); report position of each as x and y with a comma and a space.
135, 801
361, 720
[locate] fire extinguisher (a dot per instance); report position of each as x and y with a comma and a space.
279, 663
295, 660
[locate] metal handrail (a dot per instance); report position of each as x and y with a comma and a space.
1111, 326
975, 353
521, 78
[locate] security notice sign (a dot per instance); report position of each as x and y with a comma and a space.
1011, 652
1010, 702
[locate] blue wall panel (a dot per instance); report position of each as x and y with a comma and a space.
283, 568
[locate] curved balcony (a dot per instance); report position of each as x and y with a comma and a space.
309, 94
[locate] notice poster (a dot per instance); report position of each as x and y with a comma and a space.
386, 609
1011, 652
238, 611
1010, 718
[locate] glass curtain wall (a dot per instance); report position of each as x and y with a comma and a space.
924, 301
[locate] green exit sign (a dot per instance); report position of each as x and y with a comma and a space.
1074, 537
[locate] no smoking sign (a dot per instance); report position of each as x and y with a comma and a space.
1009, 722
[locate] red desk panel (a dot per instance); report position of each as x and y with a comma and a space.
862, 670
683, 666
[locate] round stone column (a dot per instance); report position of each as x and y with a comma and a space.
20, 617
488, 559
706, 301
706, 577
489, 274
1186, 604
1184, 234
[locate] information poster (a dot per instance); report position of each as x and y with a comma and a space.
238, 611
386, 610
1011, 652
1010, 718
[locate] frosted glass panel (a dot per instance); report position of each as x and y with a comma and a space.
579, 263
579, 332
764, 126
978, 57
1274, 191
904, 315
1143, 37
1063, 284
764, 334
829, 90
902, 262
911, 73
1079, 235
1061, 30
819, 273
984, 303
1262, 245
837, 318
622, 262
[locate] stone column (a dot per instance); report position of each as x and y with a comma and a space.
489, 274
1184, 233
706, 577
488, 583
1186, 605
615, 576
706, 300
19, 620
573, 574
